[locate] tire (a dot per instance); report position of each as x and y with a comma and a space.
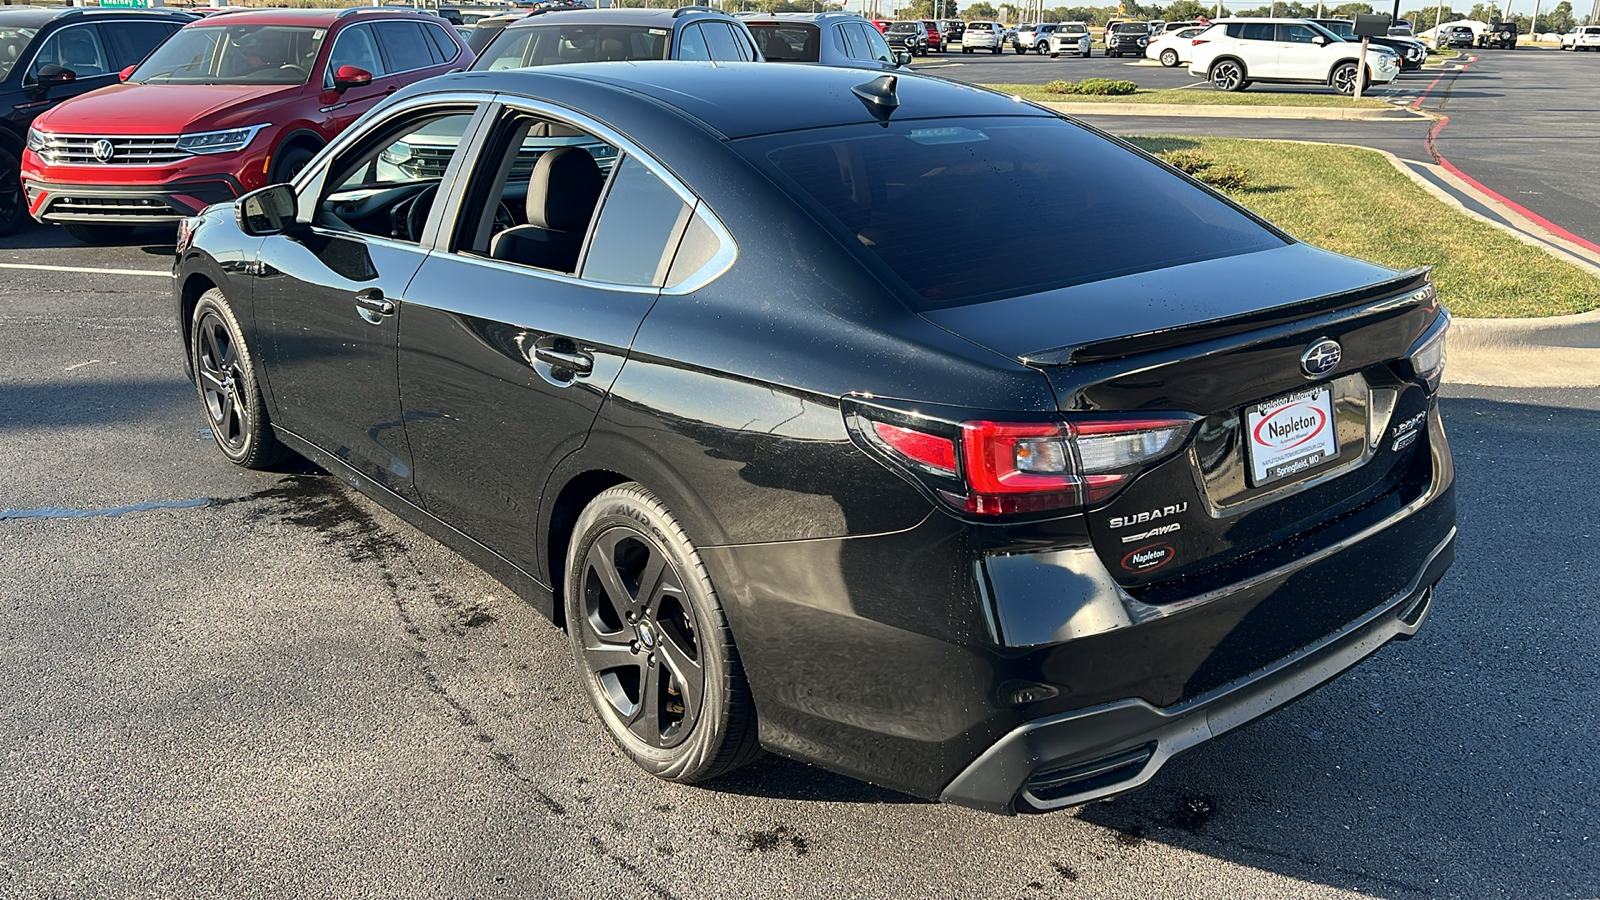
1169, 57
13, 208
289, 161
1042, 48
1227, 75
625, 544
1021, 51
98, 234
1343, 78
996, 50
230, 391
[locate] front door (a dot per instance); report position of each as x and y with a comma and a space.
330, 298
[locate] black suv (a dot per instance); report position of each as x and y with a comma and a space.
1412, 51
953, 31
1124, 38
50, 54
909, 35
1499, 36
565, 35
830, 38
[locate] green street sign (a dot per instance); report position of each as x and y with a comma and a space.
129, 4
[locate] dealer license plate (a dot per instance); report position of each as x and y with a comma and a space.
1290, 435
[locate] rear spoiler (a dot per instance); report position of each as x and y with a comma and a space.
1407, 285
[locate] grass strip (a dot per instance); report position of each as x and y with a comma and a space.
1200, 96
1354, 201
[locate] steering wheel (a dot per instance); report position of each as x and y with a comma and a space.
407, 218
302, 71
503, 219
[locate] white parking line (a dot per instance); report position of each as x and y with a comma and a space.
156, 272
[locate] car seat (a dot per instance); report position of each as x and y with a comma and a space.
77, 51
562, 193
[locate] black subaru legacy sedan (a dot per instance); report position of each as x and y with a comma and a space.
695, 358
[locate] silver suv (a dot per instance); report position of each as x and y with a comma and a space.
1033, 37
829, 38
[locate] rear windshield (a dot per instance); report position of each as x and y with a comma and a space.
788, 42
548, 45
942, 203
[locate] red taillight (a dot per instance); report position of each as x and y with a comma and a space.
918, 446
991, 468
1195, 42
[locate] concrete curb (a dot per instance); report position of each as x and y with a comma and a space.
1393, 113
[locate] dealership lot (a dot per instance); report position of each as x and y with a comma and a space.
260, 684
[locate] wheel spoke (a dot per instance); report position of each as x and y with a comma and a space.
604, 656
212, 381
651, 582
646, 720
602, 560
690, 674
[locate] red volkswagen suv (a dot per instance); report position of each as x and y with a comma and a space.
228, 104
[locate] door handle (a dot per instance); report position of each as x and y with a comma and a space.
372, 306
577, 362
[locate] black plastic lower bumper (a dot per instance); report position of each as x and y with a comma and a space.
1083, 755
135, 204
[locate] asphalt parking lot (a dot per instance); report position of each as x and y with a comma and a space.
216, 682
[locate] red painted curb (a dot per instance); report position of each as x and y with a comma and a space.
1519, 209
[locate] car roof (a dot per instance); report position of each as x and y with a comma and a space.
741, 99
39, 16
618, 16
325, 17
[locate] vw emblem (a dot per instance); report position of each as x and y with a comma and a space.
1321, 358
103, 150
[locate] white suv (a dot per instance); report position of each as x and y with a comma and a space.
1071, 38
1584, 37
1232, 53
983, 36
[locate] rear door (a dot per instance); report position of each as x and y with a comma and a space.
503, 366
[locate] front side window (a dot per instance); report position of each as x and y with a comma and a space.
356, 46
385, 184
240, 53
726, 43
877, 47
77, 49
888, 193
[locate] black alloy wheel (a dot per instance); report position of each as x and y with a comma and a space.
226, 377
653, 649
288, 163
12, 207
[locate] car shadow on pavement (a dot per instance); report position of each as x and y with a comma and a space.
775, 777
1460, 763
156, 240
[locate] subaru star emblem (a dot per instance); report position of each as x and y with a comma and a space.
103, 150
1321, 358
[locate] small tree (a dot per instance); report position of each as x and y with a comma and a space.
980, 11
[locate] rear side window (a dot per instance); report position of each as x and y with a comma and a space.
788, 42
445, 49
1257, 31
131, 42
639, 228
918, 197
405, 47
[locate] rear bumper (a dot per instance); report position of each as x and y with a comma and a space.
133, 204
1076, 757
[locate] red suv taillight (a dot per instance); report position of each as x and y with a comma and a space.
996, 468
1195, 42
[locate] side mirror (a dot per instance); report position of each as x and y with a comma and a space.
55, 76
902, 58
1319, 40
127, 73
347, 77
268, 211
